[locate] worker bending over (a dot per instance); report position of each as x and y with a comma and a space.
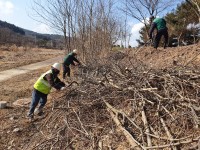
42, 88
160, 25
68, 60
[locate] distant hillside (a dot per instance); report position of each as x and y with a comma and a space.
11, 34
42, 36
26, 32
12, 27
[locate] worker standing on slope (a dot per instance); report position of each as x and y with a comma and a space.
68, 60
160, 25
42, 88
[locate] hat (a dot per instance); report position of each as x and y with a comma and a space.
75, 51
56, 66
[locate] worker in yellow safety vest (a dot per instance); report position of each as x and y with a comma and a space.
42, 88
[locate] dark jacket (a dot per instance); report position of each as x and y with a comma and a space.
159, 24
69, 59
53, 80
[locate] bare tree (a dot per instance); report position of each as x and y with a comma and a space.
98, 26
194, 29
90, 25
181, 28
57, 14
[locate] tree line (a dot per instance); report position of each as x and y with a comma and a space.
11, 34
12, 27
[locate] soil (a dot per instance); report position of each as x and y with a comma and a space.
14, 117
166, 58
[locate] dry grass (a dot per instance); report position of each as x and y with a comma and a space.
13, 56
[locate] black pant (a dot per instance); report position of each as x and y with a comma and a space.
66, 70
162, 32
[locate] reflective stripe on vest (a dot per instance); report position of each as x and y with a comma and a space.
42, 85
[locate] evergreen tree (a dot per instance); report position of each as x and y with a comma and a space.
179, 20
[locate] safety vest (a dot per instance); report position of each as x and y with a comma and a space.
42, 85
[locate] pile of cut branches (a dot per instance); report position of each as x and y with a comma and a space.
120, 106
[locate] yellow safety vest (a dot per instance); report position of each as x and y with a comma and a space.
42, 85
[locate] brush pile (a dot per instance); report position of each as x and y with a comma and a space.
119, 103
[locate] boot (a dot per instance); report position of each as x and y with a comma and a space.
40, 112
30, 116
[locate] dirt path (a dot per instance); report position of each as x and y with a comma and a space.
7, 74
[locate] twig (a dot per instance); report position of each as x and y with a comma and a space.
81, 123
167, 131
144, 119
134, 144
174, 144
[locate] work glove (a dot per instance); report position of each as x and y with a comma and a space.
83, 65
62, 88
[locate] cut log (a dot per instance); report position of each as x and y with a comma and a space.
3, 104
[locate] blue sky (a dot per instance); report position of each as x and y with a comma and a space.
17, 12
